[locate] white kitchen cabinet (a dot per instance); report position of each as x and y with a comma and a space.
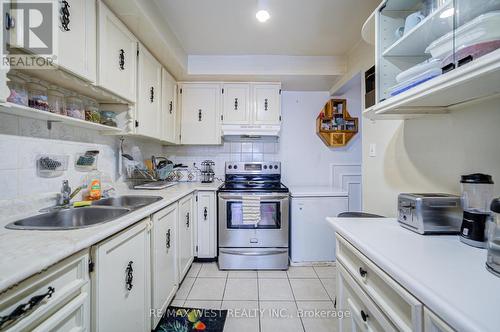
121, 287
206, 225
267, 103
77, 38
148, 110
432, 323
236, 103
169, 123
163, 260
185, 237
200, 113
117, 55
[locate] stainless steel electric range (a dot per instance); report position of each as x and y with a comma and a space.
264, 244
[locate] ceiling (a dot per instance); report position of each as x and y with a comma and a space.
296, 27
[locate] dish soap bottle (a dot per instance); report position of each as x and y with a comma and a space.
93, 186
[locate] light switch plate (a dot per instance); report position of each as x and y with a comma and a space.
373, 150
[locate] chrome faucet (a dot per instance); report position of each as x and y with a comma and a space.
66, 195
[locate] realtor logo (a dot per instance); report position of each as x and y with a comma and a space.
28, 34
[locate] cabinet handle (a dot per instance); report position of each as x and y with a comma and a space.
266, 104
335, 302
205, 213
152, 94
65, 15
235, 104
187, 220
10, 22
121, 59
129, 271
168, 239
24, 308
170, 107
362, 272
199, 115
364, 316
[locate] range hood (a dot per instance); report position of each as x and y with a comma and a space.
251, 131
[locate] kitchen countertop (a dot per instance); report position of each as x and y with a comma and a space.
27, 252
317, 191
446, 275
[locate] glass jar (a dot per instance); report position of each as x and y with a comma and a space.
37, 96
477, 192
18, 93
92, 111
493, 257
56, 102
74, 108
108, 118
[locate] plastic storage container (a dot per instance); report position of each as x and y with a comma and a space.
18, 93
56, 102
92, 113
493, 257
37, 96
108, 118
74, 108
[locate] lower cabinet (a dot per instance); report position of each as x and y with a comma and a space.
433, 323
121, 293
206, 225
163, 261
185, 235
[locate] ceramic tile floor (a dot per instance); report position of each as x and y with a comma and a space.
264, 301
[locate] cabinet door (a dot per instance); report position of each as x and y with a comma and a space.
148, 94
78, 38
200, 122
236, 103
117, 54
433, 323
206, 225
163, 250
121, 286
267, 103
185, 235
168, 108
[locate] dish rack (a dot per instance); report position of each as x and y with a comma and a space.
138, 175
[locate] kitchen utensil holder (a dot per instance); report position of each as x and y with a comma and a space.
49, 166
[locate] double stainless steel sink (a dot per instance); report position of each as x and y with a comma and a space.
99, 212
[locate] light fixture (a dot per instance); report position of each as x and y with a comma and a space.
447, 13
262, 14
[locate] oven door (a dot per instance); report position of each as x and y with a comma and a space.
271, 231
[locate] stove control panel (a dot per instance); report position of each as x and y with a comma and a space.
255, 167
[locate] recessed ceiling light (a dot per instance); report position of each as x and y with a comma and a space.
447, 13
262, 15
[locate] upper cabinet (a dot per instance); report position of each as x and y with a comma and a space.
236, 103
200, 113
169, 123
117, 52
77, 38
267, 103
148, 110
431, 55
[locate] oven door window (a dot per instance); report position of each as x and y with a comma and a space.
270, 216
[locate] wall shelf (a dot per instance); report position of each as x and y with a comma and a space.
339, 135
28, 112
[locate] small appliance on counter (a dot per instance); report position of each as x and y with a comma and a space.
430, 213
493, 258
207, 173
477, 193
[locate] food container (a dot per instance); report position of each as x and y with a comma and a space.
56, 102
406, 85
493, 257
18, 93
92, 113
37, 96
108, 118
74, 108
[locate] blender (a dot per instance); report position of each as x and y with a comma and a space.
493, 257
477, 193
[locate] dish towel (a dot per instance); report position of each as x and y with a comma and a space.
251, 210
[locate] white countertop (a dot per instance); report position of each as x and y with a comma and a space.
316, 191
446, 275
24, 253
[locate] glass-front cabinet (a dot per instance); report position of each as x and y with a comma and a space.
420, 40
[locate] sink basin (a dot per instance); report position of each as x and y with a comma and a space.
69, 219
128, 201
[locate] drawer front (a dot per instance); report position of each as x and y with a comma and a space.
403, 309
66, 278
364, 314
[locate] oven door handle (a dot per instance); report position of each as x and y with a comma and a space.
262, 196
253, 253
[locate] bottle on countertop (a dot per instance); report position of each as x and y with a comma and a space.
92, 185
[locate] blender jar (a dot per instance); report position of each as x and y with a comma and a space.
477, 192
493, 257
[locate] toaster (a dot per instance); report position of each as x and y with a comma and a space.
430, 213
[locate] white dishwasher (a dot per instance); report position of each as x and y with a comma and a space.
311, 238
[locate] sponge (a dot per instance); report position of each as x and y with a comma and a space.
82, 203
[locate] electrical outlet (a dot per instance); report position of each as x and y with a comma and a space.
373, 150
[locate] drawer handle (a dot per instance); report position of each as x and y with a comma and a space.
364, 316
121, 59
362, 272
187, 220
65, 15
129, 271
168, 239
170, 107
205, 213
200, 115
266, 104
152, 94
25, 308
235, 104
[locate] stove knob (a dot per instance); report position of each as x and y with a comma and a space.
230, 166
275, 166
265, 166
235, 166
270, 166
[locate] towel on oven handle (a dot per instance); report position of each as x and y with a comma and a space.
251, 209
